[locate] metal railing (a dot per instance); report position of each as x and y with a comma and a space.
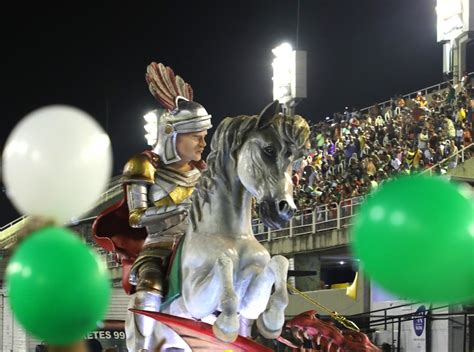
424, 91
463, 153
389, 321
11, 225
321, 218
8, 232
114, 188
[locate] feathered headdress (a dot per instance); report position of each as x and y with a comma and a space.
165, 86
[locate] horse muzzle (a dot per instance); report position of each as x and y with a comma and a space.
275, 214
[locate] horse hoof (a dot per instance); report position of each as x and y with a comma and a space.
224, 336
265, 332
226, 327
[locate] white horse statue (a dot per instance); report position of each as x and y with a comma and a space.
225, 271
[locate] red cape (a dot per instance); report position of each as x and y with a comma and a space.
112, 231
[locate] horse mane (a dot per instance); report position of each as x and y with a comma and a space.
229, 136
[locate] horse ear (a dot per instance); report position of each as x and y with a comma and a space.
267, 114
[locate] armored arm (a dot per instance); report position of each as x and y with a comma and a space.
139, 175
141, 214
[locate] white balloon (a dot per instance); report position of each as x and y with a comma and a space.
56, 163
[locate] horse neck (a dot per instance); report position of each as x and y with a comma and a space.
228, 211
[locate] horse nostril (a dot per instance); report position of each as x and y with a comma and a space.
284, 207
285, 210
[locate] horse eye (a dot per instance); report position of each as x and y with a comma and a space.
270, 151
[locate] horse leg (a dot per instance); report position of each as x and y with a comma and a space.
226, 327
270, 321
201, 292
218, 288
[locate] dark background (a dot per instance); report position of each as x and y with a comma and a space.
94, 57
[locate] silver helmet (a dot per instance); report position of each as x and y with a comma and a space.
188, 116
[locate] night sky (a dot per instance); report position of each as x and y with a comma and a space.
94, 58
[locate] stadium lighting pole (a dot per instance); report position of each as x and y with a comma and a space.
289, 77
289, 87
455, 27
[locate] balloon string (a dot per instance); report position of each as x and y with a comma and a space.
334, 315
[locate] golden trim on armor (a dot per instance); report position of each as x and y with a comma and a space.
151, 257
180, 194
134, 217
177, 196
139, 168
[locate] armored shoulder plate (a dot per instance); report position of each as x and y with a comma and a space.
139, 169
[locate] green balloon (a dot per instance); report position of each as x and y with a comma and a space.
57, 286
415, 238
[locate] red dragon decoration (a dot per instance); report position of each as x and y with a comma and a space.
325, 336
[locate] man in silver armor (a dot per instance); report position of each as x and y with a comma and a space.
158, 186
158, 198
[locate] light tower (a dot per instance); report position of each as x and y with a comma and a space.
289, 87
289, 77
455, 29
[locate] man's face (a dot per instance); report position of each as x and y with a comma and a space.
191, 145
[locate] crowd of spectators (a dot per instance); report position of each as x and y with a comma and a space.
353, 153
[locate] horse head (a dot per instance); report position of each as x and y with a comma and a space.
264, 163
